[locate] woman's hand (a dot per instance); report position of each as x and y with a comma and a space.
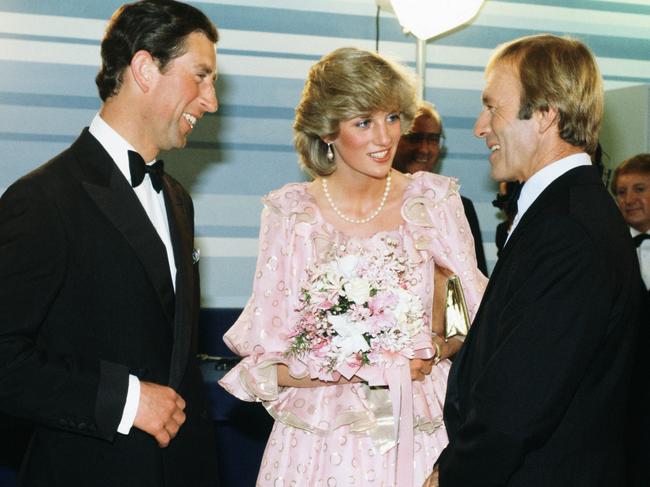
445, 349
420, 368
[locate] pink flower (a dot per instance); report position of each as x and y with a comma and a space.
381, 301
321, 349
377, 323
354, 361
324, 305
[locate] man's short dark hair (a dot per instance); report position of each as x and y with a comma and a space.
159, 27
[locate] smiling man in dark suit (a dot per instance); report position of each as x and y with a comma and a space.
537, 395
99, 290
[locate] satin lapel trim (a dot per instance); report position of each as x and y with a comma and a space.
181, 237
122, 207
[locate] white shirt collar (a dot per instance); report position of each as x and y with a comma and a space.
634, 232
116, 145
539, 181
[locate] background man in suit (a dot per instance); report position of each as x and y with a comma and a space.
420, 149
537, 395
631, 187
99, 290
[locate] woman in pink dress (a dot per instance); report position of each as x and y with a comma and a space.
344, 413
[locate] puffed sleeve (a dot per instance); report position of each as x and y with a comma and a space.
440, 231
261, 334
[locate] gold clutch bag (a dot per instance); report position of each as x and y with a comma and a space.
456, 315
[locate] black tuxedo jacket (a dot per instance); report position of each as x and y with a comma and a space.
86, 298
537, 395
639, 411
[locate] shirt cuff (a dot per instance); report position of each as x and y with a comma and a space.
131, 406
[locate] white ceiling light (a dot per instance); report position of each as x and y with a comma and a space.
429, 18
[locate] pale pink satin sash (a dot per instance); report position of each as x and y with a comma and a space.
398, 379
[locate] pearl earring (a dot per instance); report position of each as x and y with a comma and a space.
330, 152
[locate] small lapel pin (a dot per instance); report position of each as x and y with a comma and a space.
196, 255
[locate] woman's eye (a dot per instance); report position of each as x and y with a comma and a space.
363, 123
393, 117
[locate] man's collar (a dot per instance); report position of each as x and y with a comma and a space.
539, 181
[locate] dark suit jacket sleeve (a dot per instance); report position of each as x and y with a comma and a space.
549, 333
472, 219
64, 392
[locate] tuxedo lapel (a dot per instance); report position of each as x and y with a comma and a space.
115, 198
577, 176
181, 237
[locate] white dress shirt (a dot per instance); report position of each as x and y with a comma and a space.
643, 252
154, 206
542, 179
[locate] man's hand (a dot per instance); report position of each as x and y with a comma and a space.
432, 481
160, 412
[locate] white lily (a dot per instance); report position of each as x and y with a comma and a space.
357, 290
350, 335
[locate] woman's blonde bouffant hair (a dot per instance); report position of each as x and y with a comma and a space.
345, 84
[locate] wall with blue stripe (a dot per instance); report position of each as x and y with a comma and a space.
49, 52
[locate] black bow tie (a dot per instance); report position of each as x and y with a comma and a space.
640, 238
508, 202
139, 169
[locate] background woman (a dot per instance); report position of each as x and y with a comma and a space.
333, 428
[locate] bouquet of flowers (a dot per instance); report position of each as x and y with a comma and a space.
355, 310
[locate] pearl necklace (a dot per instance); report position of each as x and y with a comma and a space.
354, 220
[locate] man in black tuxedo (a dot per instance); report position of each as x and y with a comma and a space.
420, 149
99, 288
537, 395
631, 187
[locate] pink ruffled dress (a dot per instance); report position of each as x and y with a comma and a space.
343, 435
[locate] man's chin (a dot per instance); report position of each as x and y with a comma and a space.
179, 143
637, 223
